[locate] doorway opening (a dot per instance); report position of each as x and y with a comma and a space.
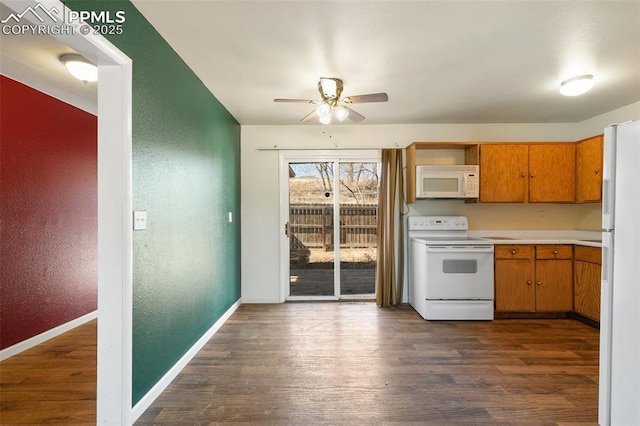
330, 222
114, 229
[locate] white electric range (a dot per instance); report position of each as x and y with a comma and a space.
450, 273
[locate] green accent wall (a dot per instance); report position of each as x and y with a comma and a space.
186, 175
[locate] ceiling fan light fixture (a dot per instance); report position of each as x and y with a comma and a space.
80, 68
341, 113
331, 103
576, 85
323, 110
329, 87
325, 119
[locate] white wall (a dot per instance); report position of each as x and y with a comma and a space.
260, 175
596, 125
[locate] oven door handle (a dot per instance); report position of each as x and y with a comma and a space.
460, 249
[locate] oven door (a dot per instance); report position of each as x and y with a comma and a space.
464, 273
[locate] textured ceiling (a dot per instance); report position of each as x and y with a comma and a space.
439, 61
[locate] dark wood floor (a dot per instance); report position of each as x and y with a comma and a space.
54, 382
335, 363
353, 363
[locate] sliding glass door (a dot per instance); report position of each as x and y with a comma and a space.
358, 203
310, 230
330, 227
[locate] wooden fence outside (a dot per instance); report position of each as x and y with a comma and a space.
311, 226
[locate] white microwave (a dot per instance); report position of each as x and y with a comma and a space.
455, 181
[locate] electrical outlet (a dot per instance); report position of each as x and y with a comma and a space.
541, 214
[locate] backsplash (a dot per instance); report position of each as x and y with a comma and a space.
589, 217
506, 216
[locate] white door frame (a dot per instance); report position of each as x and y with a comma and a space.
115, 245
313, 156
115, 242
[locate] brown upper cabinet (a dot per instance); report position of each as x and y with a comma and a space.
544, 172
535, 173
589, 169
504, 171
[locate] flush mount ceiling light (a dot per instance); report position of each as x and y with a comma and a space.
576, 85
80, 68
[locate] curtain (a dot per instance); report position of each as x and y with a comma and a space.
390, 259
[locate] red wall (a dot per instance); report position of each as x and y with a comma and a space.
48, 212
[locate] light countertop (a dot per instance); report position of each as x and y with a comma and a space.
583, 238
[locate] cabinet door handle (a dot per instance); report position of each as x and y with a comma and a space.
513, 252
539, 283
523, 174
597, 171
555, 252
529, 282
532, 174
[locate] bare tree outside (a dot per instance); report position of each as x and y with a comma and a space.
357, 182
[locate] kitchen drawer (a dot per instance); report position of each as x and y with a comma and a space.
588, 254
513, 251
554, 251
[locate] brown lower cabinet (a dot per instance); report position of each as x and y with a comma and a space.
534, 278
587, 281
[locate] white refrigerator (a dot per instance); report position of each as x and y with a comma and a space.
619, 399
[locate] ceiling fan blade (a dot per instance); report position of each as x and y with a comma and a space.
360, 99
300, 101
309, 117
354, 116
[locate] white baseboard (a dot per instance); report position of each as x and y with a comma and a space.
162, 384
43, 337
260, 301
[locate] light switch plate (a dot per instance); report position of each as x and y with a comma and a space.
139, 220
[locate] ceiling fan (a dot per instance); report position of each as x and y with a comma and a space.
332, 105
